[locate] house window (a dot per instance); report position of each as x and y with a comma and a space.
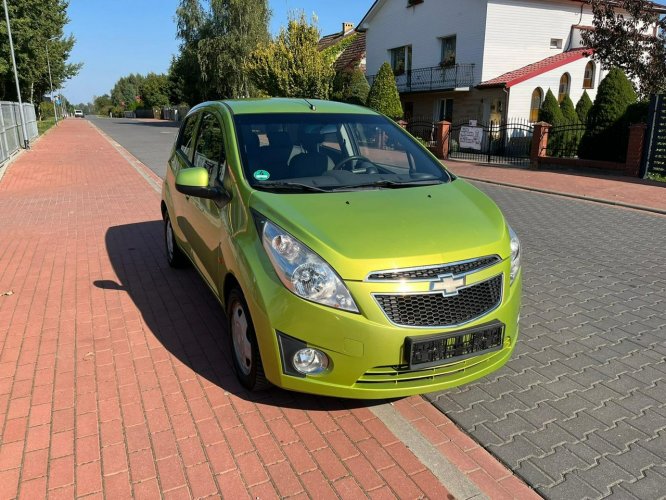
588, 78
555, 43
448, 51
565, 86
401, 59
446, 110
537, 99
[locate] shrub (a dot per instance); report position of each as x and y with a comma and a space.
607, 135
583, 107
550, 111
383, 96
350, 86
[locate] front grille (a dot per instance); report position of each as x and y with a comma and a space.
424, 273
435, 309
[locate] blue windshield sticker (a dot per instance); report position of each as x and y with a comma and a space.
261, 175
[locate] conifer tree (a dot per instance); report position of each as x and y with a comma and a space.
606, 136
583, 107
383, 96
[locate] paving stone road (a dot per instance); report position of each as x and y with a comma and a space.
580, 410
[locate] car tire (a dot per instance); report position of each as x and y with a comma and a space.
243, 342
175, 256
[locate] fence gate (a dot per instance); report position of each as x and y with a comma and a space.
507, 143
654, 157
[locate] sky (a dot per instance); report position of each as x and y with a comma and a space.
119, 37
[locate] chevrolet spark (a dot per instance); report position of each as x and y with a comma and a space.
349, 262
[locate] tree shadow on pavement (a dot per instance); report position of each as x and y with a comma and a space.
184, 316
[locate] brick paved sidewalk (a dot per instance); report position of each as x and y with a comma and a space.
115, 379
616, 190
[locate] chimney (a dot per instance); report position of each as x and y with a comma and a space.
346, 27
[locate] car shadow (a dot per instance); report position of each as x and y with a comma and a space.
185, 317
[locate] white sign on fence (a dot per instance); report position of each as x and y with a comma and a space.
471, 137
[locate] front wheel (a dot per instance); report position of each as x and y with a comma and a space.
244, 347
175, 256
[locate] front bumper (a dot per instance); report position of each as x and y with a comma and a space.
366, 351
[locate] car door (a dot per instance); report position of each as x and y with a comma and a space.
181, 158
206, 216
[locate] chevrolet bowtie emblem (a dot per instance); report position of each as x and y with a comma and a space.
448, 284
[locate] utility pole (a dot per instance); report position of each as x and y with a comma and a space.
26, 141
48, 63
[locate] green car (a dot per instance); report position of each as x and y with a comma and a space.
350, 263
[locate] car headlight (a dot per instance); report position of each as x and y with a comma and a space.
302, 271
515, 255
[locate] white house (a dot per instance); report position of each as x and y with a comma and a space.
485, 60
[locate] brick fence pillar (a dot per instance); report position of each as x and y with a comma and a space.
442, 133
635, 149
539, 143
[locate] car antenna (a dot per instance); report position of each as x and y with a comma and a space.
312, 106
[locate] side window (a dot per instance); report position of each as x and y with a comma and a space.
186, 138
209, 152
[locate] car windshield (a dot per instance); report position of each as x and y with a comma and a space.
316, 152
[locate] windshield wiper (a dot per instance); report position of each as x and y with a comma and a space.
396, 185
289, 186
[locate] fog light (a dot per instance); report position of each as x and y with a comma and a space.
310, 361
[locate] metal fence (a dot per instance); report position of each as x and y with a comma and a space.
422, 127
505, 143
11, 132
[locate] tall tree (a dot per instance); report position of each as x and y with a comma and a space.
36, 26
291, 65
217, 38
233, 30
126, 93
155, 90
630, 35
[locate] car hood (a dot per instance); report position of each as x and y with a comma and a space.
359, 232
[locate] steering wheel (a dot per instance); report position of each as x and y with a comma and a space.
338, 166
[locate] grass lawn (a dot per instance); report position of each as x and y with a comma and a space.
44, 125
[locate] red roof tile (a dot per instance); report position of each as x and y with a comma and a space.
352, 56
535, 69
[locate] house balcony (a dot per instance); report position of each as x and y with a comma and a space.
434, 78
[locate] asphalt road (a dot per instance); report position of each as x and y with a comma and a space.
149, 140
580, 410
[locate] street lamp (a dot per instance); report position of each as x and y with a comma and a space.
48, 63
26, 141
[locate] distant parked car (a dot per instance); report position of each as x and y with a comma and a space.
78, 113
350, 261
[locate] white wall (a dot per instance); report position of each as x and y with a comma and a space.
519, 32
421, 26
521, 95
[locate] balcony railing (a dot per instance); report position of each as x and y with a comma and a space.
434, 78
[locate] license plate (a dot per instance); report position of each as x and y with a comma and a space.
434, 350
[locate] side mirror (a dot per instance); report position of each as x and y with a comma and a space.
194, 182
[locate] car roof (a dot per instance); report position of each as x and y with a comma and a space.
286, 105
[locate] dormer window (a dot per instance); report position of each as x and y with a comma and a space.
555, 43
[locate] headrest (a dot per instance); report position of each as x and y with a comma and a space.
279, 139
